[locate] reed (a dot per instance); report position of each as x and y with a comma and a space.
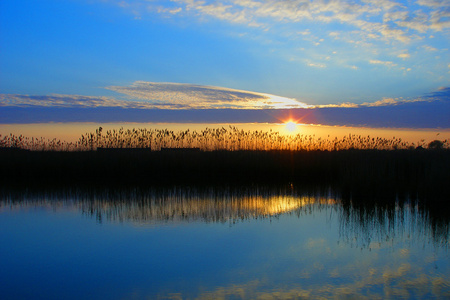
211, 139
357, 165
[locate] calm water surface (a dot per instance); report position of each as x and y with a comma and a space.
250, 243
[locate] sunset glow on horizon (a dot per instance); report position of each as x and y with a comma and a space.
357, 64
210, 149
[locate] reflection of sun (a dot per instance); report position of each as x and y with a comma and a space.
290, 126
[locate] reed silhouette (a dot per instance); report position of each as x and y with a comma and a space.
357, 165
230, 139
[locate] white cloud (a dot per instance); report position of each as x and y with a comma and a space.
57, 100
383, 102
392, 19
316, 65
381, 62
440, 19
383, 4
366, 28
394, 34
304, 32
429, 48
171, 11
343, 105
434, 3
150, 95
191, 96
334, 34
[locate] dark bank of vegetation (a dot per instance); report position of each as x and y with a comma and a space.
358, 166
354, 171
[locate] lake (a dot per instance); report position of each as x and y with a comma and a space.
249, 242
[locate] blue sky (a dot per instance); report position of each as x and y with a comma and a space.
316, 53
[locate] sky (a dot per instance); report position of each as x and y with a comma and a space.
352, 63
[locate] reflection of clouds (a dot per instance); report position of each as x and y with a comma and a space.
404, 253
203, 97
315, 243
440, 286
304, 274
349, 273
334, 273
404, 284
251, 289
232, 291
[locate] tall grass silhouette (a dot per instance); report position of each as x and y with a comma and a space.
359, 165
210, 139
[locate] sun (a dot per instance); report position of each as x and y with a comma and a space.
290, 126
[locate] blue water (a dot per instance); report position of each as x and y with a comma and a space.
206, 247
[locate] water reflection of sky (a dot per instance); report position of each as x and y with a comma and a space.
55, 247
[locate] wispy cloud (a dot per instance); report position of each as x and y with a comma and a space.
429, 111
56, 100
151, 95
316, 65
176, 96
383, 102
189, 96
381, 62
429, 48
364, 30
79, 101
441, 95
404, 55
392, 19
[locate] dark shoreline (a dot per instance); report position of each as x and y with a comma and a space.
365, 172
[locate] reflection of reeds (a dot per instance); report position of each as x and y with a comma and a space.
174, 204
230, 138
370, 221
362, 223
